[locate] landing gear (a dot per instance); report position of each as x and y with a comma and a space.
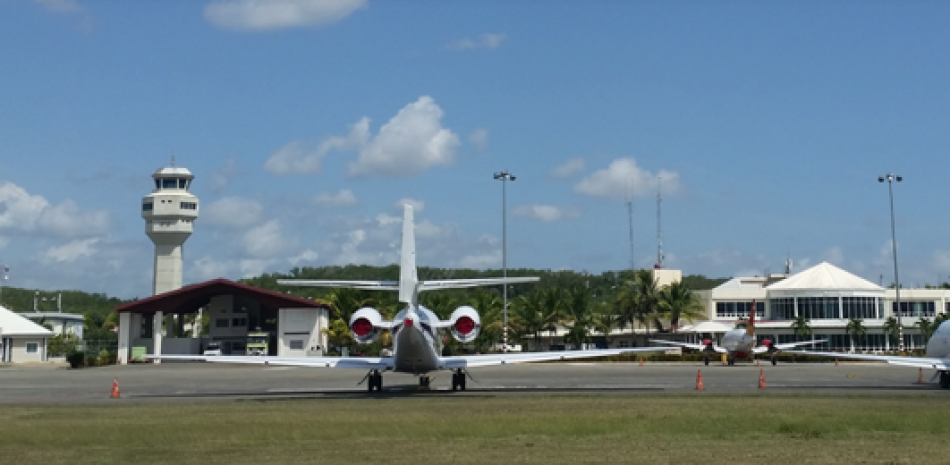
945, 379
706, 359
375, 381
730, 360
458, 380
774, 361
424, 381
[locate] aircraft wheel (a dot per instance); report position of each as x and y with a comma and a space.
461, 381
944, 379
455, 381
706, 360
774, 361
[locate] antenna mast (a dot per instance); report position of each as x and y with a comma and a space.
659, 231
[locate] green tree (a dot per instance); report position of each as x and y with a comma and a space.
606, 319
577, 313
892, 330
801, 326
345, 302
926, 328
855, 329
638, 299
489, 306
677, 302
62, 345
338, 333
536, 312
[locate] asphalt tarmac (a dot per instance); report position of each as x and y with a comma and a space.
210, 382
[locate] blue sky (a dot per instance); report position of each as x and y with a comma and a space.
308, 122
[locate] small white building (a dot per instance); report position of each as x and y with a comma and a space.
60, 323
21, 340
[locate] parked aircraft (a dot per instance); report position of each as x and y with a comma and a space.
739, 343
414, 330
937, 355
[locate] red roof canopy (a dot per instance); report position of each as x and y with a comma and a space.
190, 298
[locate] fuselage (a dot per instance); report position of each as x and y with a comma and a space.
414, 341
738, 342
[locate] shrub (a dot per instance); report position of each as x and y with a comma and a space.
75, 359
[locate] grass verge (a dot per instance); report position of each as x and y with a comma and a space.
470, 430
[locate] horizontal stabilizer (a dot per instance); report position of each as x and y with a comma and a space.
460, 283
370, 285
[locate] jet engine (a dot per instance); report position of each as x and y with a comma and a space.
465, 324
364, 324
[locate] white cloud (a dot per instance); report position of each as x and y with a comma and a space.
569, 167
66, 220
206, 268
221, 178
479, 137
72, 251
485, 41
623, 178
232, 212
267, 241
411, 142
344, 198
546, 213
834, 255
22, 212
417, 205
294, 159
478, 261
259, 15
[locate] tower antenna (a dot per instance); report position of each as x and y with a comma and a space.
633, 264
659, 231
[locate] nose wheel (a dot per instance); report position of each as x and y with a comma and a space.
375, 381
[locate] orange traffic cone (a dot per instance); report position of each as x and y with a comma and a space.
920, 376
836, 362
641, 361
115, 389
757, 362
699, 381
761, 379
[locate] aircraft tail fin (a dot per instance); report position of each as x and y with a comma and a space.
750, 328
408, 275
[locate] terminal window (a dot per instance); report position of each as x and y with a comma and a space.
296, 345
239, 322
221, 323
31, 347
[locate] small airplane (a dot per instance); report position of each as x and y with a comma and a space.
739, 343
937, 356
414, 329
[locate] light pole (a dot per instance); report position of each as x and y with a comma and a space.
897, 282
504, 177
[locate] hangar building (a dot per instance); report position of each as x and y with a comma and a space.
21, 340
163, 323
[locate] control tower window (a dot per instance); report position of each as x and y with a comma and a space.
157, 184
147, 207
182, 183
170, 183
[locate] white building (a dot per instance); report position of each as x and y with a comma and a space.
21, 340
828, 297
60, 323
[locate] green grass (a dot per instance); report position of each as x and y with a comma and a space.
503, 430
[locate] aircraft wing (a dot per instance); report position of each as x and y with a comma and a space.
369, 285
916, 362
458, 283
468, 361
690, 345
786, 345
361, 363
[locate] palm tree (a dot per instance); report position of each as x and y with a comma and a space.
855, 329
892, 330
577, 311
489, 306
606, 319
678, 302
801, 326
638, 299
940, 319
532, 315
338, 333
926, 328
347, 301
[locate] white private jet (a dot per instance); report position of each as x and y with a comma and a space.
414, 329
938, 355
739, 343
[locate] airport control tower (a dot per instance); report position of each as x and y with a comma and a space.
169, 212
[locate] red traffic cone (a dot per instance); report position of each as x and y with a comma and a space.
115, 389
641, 361
836, 362
761, 379
699, 381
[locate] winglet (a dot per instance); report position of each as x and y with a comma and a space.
750, 328
408, 277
